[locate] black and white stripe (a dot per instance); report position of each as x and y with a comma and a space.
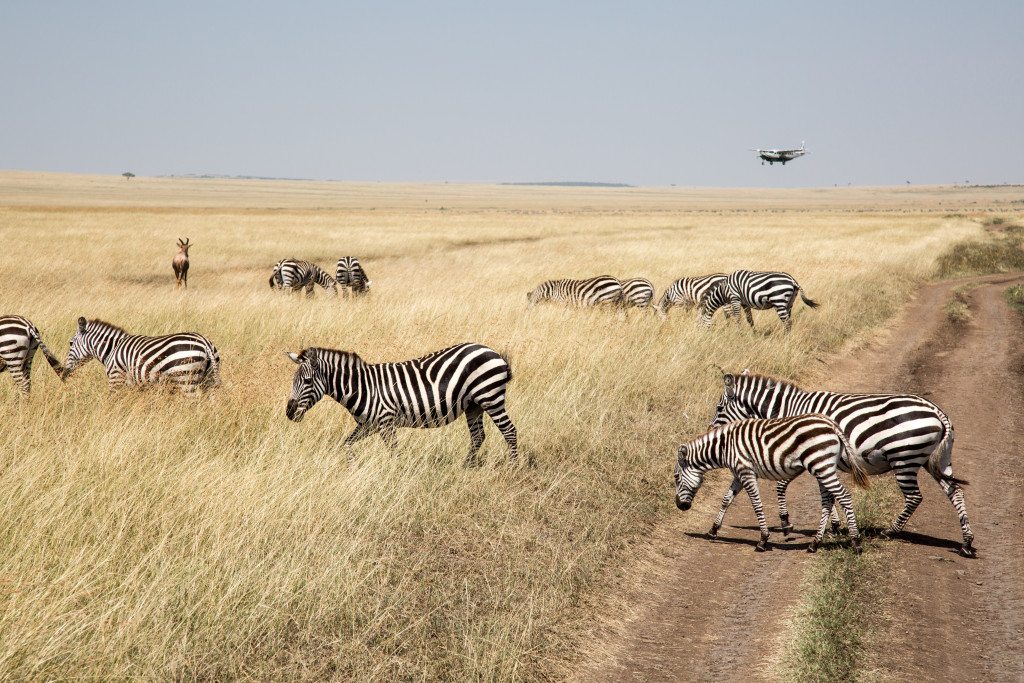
594, 291
687, 292
19, 339
350, 275
778, 449
637, 292
748, 290
893, 432
431, 391
186, 360
294, 275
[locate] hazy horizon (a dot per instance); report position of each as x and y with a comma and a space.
650, 95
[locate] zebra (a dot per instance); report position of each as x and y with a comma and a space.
19, 339
778, 449
186, 360
897, 432
431, 391
688, 292
637, 292
295, 275
594, 291
350, 275
748, 289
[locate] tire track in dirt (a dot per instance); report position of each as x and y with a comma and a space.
705, 610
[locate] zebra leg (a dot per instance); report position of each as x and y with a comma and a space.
475, 422
827, 503
749, 482
734, 308
309, 291
503, 422
358, 434
726, 502
387, 433
750, 316
955, 493
780, 493
785, 313
906, 477
21, 379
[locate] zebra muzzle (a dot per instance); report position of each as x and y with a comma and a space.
292, 411
683, 505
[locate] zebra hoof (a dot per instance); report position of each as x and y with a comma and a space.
762, 547
813, 547
713, 534
967, 550
787, 530
857, 549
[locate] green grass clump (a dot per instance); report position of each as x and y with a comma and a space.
1015, 297
996, 253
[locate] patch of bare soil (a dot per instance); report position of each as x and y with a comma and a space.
713, 610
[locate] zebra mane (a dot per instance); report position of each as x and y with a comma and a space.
322, 352
105, 326
775, 380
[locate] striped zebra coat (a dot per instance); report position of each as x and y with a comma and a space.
778, 449
893, 432
350, 275
748, 290
293, 275
19, 339
185, 361
687, 292
637, 292
431, 391
594, 291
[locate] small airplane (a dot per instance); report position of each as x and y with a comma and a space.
779, 155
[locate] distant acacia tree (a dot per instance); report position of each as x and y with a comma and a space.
128, 175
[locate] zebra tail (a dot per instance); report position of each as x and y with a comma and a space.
940, 462
508, 368
213, 371
809, 302
50, 358
858, 465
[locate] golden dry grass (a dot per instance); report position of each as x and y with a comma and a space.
158, 537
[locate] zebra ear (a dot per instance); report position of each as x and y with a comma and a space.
294, 356
730, 385
681, 455
746, 371
82, 324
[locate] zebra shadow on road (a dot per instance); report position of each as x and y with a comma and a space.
786, 542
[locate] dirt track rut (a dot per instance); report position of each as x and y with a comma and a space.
714, 610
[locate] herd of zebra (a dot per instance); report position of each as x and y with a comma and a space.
763, 427
743, 289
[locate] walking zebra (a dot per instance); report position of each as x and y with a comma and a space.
186, 360
595, 291
687, 292
350, 275
19, 339
637, 292
748, 289
295, 275
431, 391
897, 432
778, 449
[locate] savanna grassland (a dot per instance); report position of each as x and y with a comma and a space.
155, 536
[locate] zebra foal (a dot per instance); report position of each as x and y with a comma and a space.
19, 339
293, 275
431, 391
778, 449
900, 433
747, 289
594, 291
185, 361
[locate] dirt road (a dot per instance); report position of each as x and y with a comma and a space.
708, 610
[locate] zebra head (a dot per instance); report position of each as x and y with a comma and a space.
732, 406
688, 479
308, 386
94, 339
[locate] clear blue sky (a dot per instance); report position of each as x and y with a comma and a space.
646, 93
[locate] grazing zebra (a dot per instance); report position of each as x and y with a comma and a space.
637, 292
747, 289
687, 292
295, 275
186, 360
350, 275
180, 264
19, 339
595, 291
897, 432
778, 449
431, 391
